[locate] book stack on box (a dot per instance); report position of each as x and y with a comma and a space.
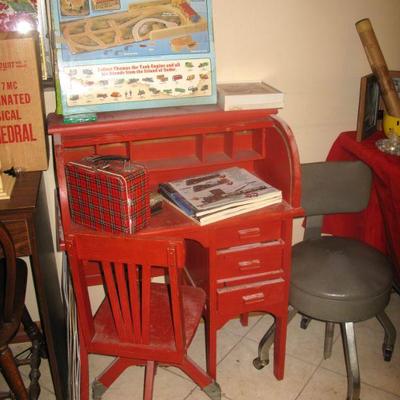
248, 96
219, 195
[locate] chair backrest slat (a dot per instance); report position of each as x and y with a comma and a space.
122, 284
114, 298
134, 301
176, 300
146, 280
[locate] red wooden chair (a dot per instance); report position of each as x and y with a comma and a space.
139, 322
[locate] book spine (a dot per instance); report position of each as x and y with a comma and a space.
177, 199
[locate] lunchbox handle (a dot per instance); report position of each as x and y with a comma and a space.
108, 157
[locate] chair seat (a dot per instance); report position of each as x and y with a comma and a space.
161, 334
339, 279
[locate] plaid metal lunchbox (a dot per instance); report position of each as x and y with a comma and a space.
108, 193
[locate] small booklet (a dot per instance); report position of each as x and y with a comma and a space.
218, 195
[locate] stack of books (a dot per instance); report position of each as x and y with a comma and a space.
219, 195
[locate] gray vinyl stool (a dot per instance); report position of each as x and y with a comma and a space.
335, 279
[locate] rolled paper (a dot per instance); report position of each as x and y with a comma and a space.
379, 67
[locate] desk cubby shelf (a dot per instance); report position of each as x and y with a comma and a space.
177, 150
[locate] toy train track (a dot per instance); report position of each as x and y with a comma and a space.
147, 21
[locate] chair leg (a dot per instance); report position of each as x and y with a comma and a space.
37, 340
84, 367
150, 373
209, 386
350, 353
267, 341
390, 335
110, 374
11, 373
329, 332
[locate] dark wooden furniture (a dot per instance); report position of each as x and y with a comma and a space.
242, 263
25, 216
139, 322
13, 277
13, 273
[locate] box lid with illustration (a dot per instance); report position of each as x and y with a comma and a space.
130, 54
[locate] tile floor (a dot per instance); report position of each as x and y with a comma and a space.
307, 375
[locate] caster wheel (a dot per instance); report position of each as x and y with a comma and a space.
260, 364
387, 354
304, 323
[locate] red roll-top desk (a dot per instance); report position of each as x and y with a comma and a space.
243, 263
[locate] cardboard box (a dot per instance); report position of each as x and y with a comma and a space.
131, 54
23, 141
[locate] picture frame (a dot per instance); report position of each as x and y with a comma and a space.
27, 15
46, 50
371, 106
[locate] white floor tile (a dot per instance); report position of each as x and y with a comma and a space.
369, 338
327, 385
239, 380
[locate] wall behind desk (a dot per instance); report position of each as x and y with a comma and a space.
310, 50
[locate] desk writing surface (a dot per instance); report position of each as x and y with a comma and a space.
171, 222
16, 212
24, 194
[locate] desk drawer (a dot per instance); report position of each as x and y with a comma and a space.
249, 259
19, 232
249, 233
251, 297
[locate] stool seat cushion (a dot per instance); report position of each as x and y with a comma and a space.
339, 279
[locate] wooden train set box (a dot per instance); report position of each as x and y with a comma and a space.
108, 194
23, 143
131, 54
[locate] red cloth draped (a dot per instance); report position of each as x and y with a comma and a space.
379, 224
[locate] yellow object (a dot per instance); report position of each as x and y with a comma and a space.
391, 125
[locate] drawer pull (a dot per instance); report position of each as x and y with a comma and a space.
249, 264
254, 298
249, 233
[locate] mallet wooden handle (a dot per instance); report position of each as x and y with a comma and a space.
379, 67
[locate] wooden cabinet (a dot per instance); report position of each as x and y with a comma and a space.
243, 263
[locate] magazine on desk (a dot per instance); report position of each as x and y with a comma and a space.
219, 195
